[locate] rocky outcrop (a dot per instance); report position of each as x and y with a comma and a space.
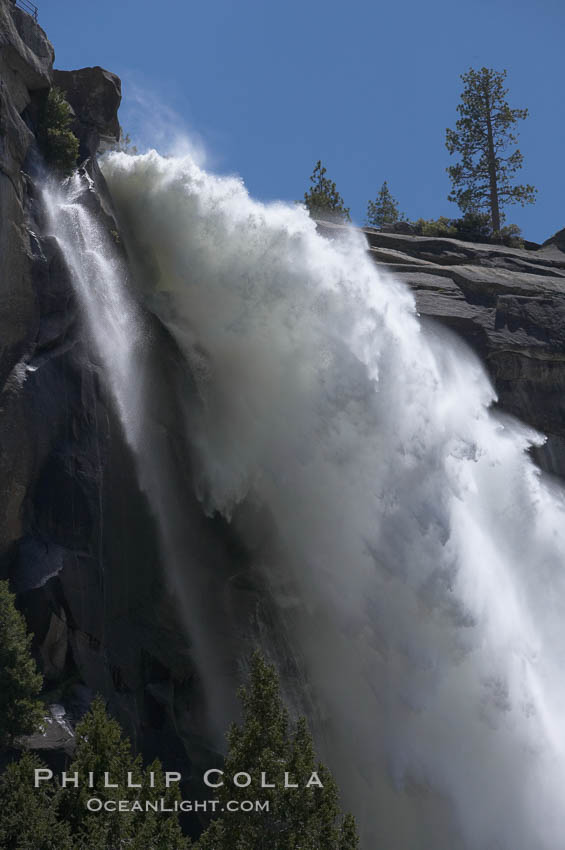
558, 240
94, 95
507, 303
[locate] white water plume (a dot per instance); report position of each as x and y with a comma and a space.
419, 562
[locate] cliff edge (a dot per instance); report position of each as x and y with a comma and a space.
508, 304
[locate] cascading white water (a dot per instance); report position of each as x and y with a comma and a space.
121, 339
419, 555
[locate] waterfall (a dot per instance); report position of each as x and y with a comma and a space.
413, 552
121, 340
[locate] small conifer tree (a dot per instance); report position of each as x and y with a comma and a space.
323, 200
384, 209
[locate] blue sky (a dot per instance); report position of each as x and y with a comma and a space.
368, 88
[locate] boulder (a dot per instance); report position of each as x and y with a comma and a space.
58, 733
95, 96
558, 239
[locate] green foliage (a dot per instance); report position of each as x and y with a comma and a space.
298, 819
349, 838
510, 234
53, 818
101, 748
29, 816
57, 141
472, 227
482, 179
441, 226
156, 829
323, 200
21, 713
384, 209
50, 817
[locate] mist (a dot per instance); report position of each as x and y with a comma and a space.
410, 547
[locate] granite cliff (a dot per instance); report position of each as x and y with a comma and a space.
508, 304
77, 538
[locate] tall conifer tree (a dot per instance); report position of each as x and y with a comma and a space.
483, 135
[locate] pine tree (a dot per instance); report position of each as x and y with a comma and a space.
349, 839
482, 179
297, 818
384, 209
102, 748
28, 815
21, 713
156, 829
323, 200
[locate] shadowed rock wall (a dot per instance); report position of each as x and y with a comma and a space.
77, 538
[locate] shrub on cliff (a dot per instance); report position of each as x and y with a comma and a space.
306, 816
472, 227
21, 712
441, 226
57, 141
323, 200
511, 234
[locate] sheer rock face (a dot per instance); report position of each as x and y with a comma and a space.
508, 304
25, 51
26, 57
77, 538
95, 95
